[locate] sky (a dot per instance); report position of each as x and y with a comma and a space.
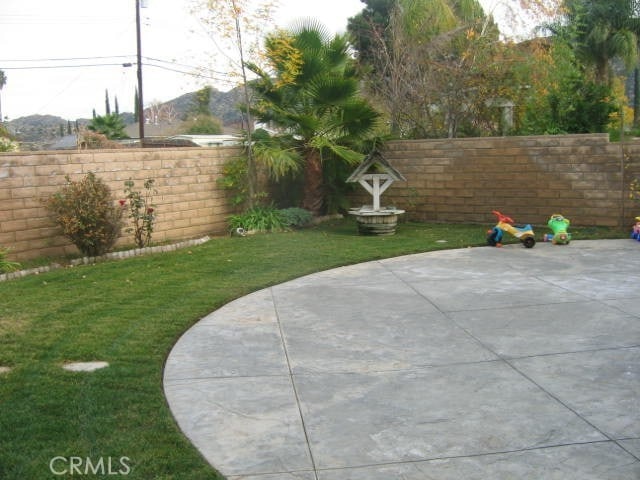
60, 57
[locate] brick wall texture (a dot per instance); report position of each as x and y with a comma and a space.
189, 203
584, 177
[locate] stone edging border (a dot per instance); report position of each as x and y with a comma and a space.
136, 252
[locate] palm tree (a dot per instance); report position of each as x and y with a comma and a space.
604, 30
110, 125
311, 97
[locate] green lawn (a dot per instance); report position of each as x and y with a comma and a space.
129, 313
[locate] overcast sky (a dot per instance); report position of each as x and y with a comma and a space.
86, 42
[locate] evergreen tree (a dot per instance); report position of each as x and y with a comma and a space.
136, 109
107, 107
3, 82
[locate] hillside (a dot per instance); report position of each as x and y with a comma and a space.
34, 132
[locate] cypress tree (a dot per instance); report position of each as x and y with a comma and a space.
136, 110
107, 107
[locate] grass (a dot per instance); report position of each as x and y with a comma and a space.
130, 313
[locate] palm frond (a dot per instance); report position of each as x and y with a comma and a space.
345, 153
332, 90
278, 159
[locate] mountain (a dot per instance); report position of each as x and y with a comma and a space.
223, 105
34, 132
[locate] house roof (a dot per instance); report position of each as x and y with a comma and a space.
375, 158
68, 142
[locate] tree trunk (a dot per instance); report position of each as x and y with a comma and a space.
313, 182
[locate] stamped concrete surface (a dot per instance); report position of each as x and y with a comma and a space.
501, 363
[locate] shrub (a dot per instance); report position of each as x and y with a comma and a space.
6, 265
141, 211
296, 217
259, 219
204, 125
87, 214
96, 141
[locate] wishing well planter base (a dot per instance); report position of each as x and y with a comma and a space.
376, 222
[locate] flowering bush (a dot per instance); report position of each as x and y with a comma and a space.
141, 211
87, 214
8, 145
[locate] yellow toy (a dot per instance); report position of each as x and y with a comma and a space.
524, 233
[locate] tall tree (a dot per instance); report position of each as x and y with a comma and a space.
367, 27
202, 101
3, 82
437, 68
311, 96
136, 106
242, 24
602, 31
107, 107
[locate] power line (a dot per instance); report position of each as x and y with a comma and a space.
192, 74
71, 59
39, 67
63, 59
194, 70
180, 64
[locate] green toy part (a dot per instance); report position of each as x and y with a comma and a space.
558, 224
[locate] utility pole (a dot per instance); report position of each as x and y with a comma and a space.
140, 102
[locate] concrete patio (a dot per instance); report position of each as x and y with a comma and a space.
500, 363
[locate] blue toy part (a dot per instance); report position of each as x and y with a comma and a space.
635, 232
495, 236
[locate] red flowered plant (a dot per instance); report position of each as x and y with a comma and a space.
141, 211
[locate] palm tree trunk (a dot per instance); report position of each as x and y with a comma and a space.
313, 195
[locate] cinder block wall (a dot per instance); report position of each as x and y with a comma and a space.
584, 177
189, 203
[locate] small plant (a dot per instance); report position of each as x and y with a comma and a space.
259, 219
141, 211
87, 214
296, 217
6, 265
8, 145
234, 175
634, 188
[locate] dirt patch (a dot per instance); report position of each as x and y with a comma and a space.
84, 366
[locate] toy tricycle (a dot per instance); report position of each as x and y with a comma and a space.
559, 225
505, 224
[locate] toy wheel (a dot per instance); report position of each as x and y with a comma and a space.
529, 242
